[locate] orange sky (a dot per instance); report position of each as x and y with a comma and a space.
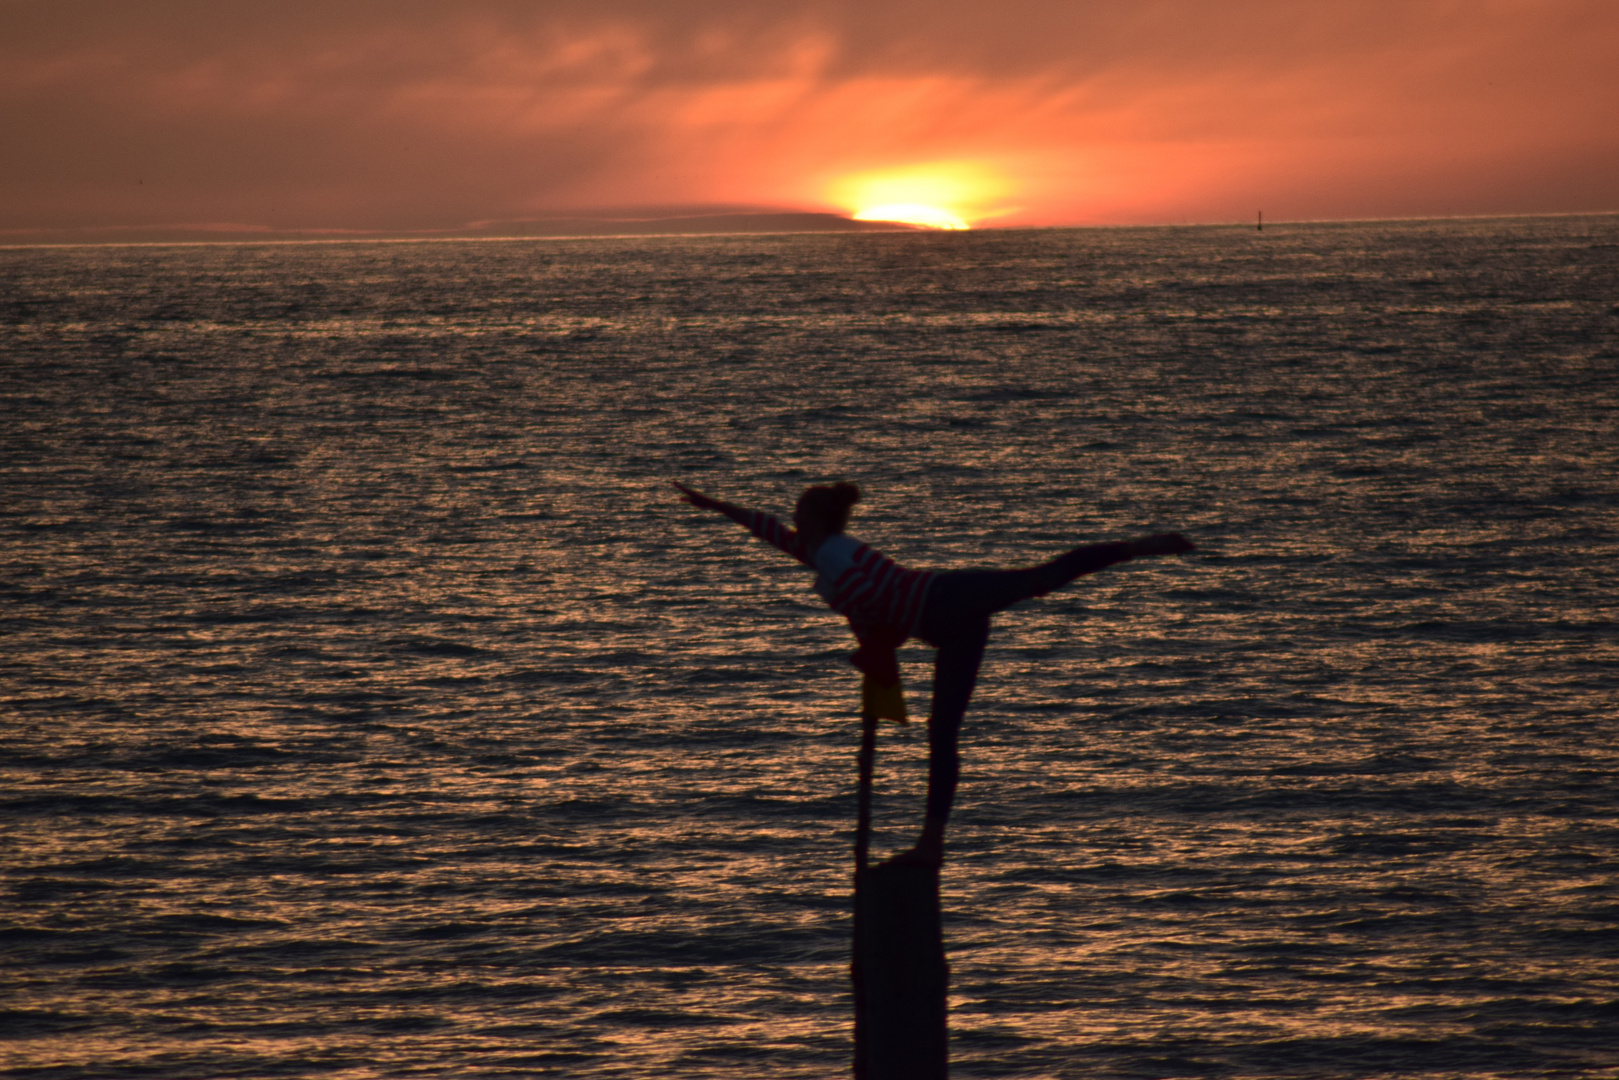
409, 115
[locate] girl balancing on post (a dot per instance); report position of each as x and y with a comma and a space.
885, 603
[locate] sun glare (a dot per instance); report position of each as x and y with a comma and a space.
930, 217
944, 196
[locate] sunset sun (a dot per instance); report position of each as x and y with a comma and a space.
931, 217
945, 196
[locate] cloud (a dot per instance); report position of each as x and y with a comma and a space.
410, 115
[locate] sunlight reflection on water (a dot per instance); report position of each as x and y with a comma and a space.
373, 708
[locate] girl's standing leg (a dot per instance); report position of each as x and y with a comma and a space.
955, 672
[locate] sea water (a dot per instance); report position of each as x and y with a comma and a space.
374, 708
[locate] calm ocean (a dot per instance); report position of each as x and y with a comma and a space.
373, 708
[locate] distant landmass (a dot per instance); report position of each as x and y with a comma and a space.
786, 222
607, 223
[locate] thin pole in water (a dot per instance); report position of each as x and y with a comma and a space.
862, 845
868, 757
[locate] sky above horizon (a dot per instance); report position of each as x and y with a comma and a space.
416, 116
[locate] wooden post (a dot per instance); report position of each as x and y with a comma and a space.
901, 979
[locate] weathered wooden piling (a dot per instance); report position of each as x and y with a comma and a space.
900, 976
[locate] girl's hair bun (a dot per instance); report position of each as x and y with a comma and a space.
830, 505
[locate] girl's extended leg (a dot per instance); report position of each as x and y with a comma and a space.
959, 596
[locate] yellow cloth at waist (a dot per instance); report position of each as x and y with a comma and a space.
883, 702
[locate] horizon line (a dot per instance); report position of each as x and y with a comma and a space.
874, 227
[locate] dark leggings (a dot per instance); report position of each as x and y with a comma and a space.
955, 620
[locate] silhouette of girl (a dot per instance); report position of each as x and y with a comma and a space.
886, 604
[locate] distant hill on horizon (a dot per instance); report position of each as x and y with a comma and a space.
581, 225
745, 222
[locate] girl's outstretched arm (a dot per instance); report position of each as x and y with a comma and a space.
762, 525
738, 514
697, 498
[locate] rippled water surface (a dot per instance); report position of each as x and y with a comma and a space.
373, 709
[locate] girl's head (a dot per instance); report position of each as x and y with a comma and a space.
824, 510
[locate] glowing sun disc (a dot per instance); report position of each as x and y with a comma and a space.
929, 217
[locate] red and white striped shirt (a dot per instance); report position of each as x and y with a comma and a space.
881, 599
